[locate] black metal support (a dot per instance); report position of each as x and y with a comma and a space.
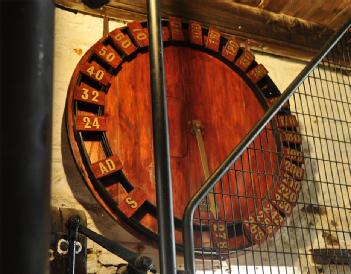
161, 142
111, 246
73, 226
137, 264
242, 146
26, 54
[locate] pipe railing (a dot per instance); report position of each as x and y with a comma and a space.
188, 233
163, 178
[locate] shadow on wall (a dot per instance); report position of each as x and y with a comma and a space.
302, 234
97, 216
287, 251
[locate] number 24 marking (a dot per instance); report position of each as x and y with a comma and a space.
88, 124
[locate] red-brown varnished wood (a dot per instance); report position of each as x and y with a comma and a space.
230, 49
219, 234
117, 192
213, 39
290, 137
287, 121
96, 72
108, 54
257, 73
286, 194
165, 34
175, 26
140, 35
195, 33
122, 41
93, 147
90, 123
204, 89
293, 155
87, 94
245, 60
268, 218
254, 231
292, 169
294, 185
130, 203
106, 166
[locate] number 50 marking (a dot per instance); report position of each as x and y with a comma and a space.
108, 55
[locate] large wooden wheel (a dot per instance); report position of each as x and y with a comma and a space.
210, 80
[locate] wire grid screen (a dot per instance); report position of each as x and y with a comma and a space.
285, 205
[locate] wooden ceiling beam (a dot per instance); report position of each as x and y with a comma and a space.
266, 31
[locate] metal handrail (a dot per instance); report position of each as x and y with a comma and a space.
188, 233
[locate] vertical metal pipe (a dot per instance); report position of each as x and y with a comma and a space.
73, 227
161, 142
26, 29
71, 269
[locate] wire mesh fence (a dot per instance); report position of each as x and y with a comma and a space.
285, 204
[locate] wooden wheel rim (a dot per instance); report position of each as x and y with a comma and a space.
86, 101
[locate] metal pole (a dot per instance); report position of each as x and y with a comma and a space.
26, 29
111, 246
188, 232
161, 142
73, 227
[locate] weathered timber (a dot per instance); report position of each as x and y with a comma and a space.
294, 30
